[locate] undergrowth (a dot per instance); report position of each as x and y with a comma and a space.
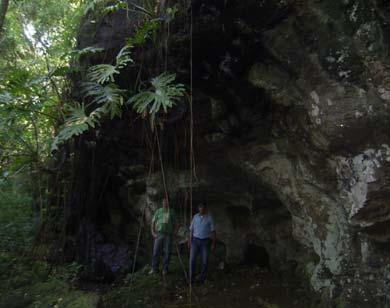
26, 281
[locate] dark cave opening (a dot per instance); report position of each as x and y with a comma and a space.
257, 255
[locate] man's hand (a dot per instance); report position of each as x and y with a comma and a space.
154, 234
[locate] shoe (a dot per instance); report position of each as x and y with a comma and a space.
165, 272
152, 272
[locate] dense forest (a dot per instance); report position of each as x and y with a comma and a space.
250, 136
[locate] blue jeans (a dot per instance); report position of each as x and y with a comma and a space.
163, 240
202, 247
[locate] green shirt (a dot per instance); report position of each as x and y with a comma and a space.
164, 220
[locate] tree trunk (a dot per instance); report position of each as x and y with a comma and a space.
3, 12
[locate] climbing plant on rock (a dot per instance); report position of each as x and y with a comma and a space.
103, 73
163, 95
102, 91
104, 95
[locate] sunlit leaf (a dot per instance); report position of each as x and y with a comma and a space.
163, 96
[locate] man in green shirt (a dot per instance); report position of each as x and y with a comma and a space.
163, 228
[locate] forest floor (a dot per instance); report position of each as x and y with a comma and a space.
238, 287
34, 285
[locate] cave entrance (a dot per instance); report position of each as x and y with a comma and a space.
253, 226
257, 255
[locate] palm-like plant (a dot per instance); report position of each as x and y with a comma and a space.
85, 51
102, 94
103, 73
76, 123
103, 91
163, 95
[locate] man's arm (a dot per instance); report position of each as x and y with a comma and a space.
153, 229
153, 225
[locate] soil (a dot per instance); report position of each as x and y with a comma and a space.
238, 287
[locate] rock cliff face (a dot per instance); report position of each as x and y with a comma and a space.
291, 137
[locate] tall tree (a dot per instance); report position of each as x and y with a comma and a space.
3, 12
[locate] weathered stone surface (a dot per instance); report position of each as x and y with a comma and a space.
291, 139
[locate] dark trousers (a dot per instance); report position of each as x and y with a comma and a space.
162, 241
199, 247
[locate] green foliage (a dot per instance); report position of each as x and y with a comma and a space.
16, 217
144, 32
77, 123
115, 7
103, 73
25, 282
100, 86
171, 12
85, 51
33, 68
102, 91
101, 94
163, 95
94, 5
5, 98
24, 130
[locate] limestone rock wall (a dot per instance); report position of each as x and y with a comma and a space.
291, 136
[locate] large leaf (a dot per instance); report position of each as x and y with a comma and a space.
103, 73
102, 94
163, 96
123, 57
77, 123
85, 51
